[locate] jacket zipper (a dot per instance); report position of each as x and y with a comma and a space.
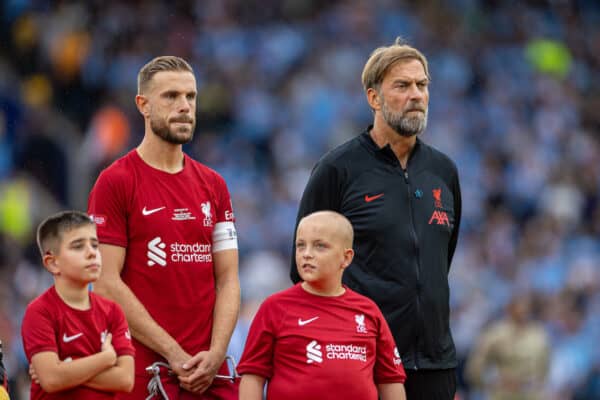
416, 246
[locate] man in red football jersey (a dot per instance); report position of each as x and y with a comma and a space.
319, 339
78, 343
167, 234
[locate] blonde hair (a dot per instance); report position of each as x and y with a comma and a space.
383, 58
341, 224
160, 64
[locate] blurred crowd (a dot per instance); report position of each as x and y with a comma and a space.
515, 100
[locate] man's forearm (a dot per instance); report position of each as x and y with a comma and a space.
227, 307
141, 324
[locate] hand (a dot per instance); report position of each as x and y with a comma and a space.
108, 347
176, 359
33, 375
204, 367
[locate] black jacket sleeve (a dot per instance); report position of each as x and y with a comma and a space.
457, 216
322, 192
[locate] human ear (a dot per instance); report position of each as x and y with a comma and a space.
142, 105
51, 263
373, 98
348, 256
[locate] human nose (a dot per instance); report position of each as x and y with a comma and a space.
307, 253
416, 93
184, 104
92, 251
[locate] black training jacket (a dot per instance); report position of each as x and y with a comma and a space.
405, 231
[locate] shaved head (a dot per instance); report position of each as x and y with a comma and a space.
334, 222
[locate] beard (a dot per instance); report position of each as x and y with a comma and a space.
405, 125
181, 135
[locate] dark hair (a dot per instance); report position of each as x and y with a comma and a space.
49, 232
159, 64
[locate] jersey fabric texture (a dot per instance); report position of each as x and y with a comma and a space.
405, 232
315, 347
51, 325
165, 221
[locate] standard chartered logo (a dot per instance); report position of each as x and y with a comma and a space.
178, 252
334, 351
156, 253
313, 353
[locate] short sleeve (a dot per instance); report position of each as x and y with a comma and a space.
258, 354
224, 207
121, 336
108, 208
38, 331
388, 364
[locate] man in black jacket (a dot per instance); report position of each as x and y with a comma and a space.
403, 199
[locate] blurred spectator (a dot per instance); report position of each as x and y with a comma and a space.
510, 359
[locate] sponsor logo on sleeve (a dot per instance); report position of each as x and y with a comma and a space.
397, 359
98, 219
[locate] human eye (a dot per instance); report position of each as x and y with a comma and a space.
77, 246
191, 96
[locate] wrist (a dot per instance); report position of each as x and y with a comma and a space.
218, 352
111, 357
172, 351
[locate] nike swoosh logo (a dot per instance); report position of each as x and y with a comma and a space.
148, 212
68, 339
308, 321
369, 199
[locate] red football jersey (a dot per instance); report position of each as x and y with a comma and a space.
315, 347
165, 221
51, 325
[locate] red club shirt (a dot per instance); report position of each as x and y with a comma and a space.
165, 221
314, 347
51, 325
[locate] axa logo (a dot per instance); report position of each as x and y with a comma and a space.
439, 216
156, 253
314, 353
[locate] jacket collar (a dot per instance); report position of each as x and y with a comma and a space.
387, 154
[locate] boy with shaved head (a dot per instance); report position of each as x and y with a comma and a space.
319, 339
